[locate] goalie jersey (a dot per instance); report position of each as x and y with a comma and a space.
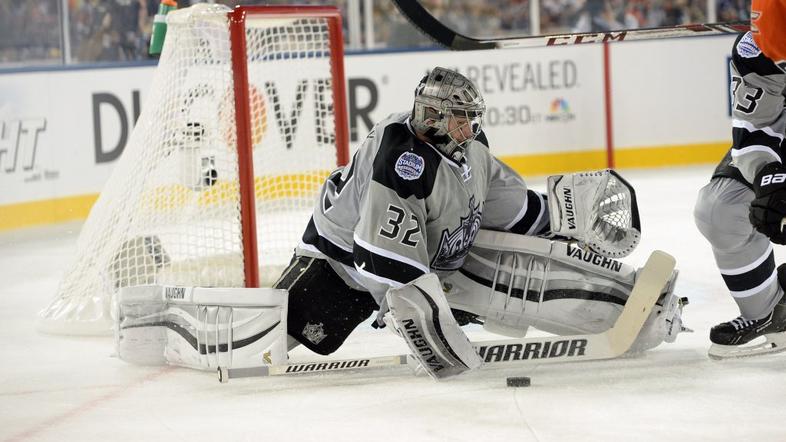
401, 209
758, 91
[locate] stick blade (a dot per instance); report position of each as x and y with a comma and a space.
650, 282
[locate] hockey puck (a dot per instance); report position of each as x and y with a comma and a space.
518, 381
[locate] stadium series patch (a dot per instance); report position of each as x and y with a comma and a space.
410, 166
747, 47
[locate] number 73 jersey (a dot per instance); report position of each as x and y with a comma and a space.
758, 106
400, 208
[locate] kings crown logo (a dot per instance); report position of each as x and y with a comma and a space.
454, 246
314, 332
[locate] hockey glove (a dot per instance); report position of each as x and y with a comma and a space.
768, 209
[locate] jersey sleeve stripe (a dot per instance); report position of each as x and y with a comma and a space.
388, 254
379, 279
742, 139
333, 251
385, 268
736, 153
533, 216
742, 124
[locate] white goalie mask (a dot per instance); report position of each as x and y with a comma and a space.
448, 110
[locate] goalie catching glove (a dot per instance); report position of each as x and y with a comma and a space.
768, 209
421, 315
598, 209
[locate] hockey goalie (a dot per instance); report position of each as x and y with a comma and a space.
508, 282
429, 230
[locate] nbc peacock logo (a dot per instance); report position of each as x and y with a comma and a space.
559, 111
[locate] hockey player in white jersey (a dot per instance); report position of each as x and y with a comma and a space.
741, 211
409, 206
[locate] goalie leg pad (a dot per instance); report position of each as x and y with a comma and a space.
422, 316
513, 282
201, 328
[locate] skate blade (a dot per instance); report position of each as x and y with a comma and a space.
771, 343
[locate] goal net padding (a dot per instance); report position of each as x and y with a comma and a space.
245, 118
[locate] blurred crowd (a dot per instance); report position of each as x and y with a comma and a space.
29, 30
513, 17
33, 31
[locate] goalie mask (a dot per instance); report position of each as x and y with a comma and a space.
448, 110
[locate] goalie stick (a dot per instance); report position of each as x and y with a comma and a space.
422, 19
610, 344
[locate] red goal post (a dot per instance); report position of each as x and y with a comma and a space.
238, 19
245, 118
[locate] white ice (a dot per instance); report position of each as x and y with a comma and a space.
65, 388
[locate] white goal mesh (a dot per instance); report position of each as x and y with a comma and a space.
173, 211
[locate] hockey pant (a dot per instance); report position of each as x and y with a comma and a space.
323, 310
744, 256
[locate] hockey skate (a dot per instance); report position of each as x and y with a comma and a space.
745, 337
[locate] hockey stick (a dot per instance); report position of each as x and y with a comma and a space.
422, 19
225, 374
610, 344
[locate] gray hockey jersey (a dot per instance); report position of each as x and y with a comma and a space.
400, 208
758, 92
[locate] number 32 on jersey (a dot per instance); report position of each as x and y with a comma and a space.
393, 229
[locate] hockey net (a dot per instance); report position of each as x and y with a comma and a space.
244, 120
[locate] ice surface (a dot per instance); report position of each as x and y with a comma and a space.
72, 389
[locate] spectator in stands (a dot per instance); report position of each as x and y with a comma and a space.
131, 28
119, 30
515, 17
597, 15
673, 13
485, 19
93, 22
29, 31
733, 10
